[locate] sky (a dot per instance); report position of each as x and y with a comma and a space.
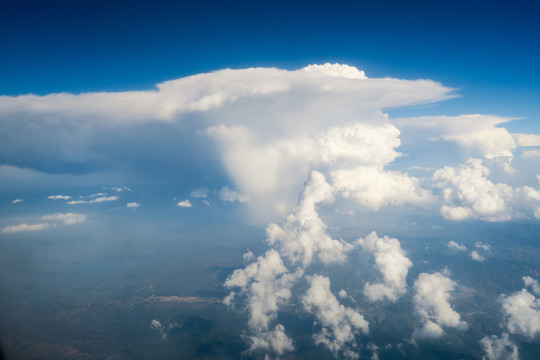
303, 118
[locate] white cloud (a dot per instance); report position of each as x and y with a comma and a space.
120, 189
476, 256
26, 227
372, 187
393, 263
75, 202
104, 198
499, 348
470, 194
199, 193
229, 195
480, 133
59, 197
133, 205
480, 245
184, 203
433, 307
303, 236
522, 313
531, 153
16, 201
266, 285
455, 246
340, 324
97, 194
533, 284
67, 218
336, 70
527, 139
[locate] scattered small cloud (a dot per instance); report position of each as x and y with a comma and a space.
133, 205
455, 246
120, 189
229, 195
480, 245
16, 201
531, 153
476, 256
98, 194
185, 204
75, 202
156, 325
104, 198
67, 218
59, 197
26, 227
200, 193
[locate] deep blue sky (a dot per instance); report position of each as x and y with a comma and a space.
489, 50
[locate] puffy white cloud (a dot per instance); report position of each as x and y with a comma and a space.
499, 348
393, 263
476, 132
304, 235
455, 246
340, 324
59, 197
67, 218
229, 195
337, 70
476, 256
432, 305
470, 194
26, 227
373, 187
522, 311
532, 283
16, 201
266, 284
527, 139
133, 205
184, 203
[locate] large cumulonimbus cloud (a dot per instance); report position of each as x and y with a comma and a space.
271, 128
